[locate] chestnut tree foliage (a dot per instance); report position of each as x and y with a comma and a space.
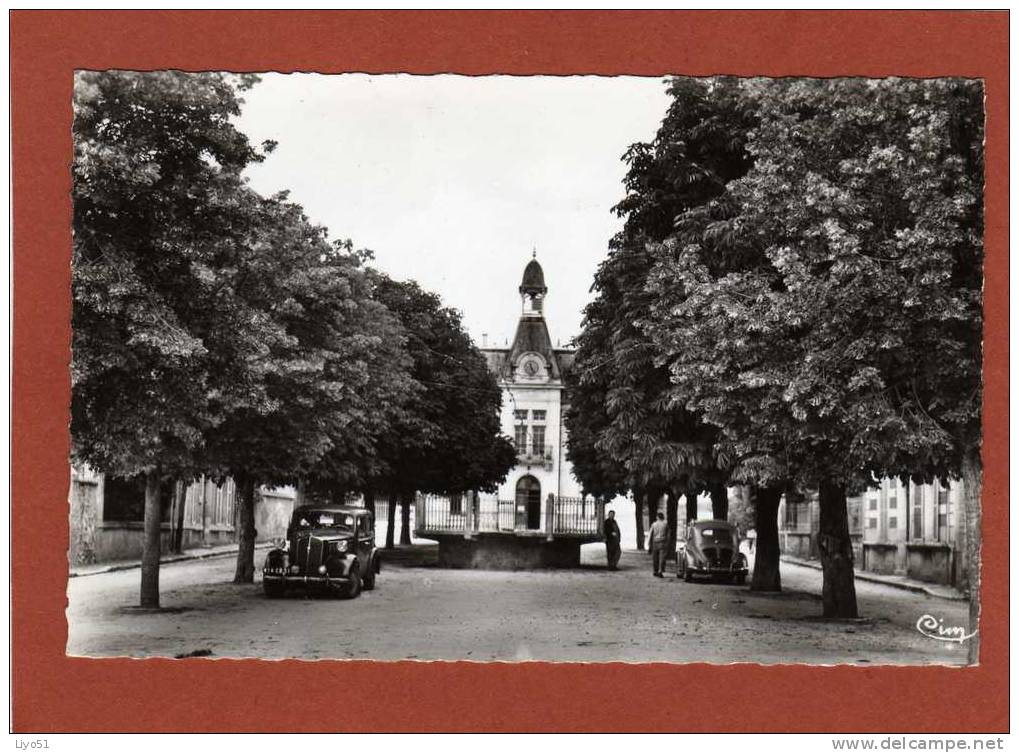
843, 343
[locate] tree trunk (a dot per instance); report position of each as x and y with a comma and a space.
691, 506
719, 501
391, 521
179, 502
369, 501
970, 551
245, 572
405, 502
766, 554
838, 589
638, 506
151, 543
671, 519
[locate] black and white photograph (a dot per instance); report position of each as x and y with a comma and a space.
499, 368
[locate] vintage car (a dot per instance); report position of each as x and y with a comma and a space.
330, 548
711, 547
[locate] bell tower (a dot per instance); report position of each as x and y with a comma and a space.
532, 289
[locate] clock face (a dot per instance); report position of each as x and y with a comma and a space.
531, 368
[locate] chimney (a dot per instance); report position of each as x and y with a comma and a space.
484, 339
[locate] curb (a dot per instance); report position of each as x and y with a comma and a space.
185, 557
871, 578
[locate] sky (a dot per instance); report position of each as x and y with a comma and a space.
454, 181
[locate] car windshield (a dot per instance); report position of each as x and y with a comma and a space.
715, 536
324, 519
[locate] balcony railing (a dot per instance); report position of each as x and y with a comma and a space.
536, 455
486, 513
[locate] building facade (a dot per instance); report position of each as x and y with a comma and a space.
107, 516
897, 528
531, 373
539, 514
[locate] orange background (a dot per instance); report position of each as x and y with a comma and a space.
54, 693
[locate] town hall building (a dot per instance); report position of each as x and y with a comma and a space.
531, 372
539, 515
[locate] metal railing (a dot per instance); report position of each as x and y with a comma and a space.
539, 455
486, 513
578, 516
441, 513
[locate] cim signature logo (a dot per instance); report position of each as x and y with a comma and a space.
933, 627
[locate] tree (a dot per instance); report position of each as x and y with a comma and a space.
661, 444
446, 438
584, 417
824, 312
156, 169
334, 366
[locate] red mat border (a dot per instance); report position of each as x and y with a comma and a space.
54, 693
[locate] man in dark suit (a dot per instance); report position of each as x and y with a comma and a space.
612, 547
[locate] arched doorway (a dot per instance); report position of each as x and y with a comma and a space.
528, 503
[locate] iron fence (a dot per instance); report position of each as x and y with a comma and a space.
576, 515
441, 513
486, 513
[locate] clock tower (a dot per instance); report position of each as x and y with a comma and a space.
531, 373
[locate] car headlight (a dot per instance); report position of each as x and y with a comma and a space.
341, 546
322, 569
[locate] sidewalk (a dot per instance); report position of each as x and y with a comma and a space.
199, 553
895, 581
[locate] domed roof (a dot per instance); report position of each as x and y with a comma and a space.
534, 278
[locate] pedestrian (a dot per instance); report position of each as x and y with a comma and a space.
612, 548
658, 542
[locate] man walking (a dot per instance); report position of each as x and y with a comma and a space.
658, 541
612, 544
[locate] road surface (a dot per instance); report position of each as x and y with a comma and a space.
590, 614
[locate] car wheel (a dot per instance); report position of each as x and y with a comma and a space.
368, 581
274, 590
741, 579
353, 589
687, 574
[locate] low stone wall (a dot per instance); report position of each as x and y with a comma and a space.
507, 552
123, 541
272, 514
880, 558
929, 562
797, 544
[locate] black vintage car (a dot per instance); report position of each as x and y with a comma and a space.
329, 547
711, 547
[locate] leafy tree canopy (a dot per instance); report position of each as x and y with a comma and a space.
156, 337
824, 312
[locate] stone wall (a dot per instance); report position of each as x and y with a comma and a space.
930, 562
502, 552
797, 544
272, 513
208, 520
880, 558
